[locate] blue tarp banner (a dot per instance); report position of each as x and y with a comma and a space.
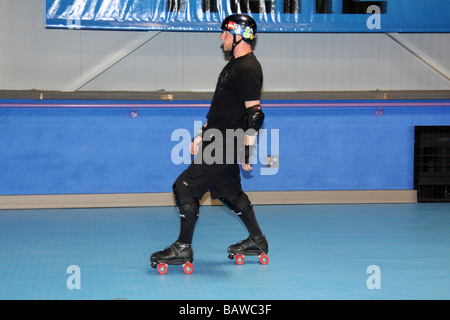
270, 15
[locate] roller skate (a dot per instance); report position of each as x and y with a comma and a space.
177, 254
252, 246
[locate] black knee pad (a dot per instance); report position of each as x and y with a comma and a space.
237, 202
188, 206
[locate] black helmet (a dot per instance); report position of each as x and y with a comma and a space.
240, 24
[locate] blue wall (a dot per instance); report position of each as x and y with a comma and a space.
105, 150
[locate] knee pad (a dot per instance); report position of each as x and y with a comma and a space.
237, 202
188, 206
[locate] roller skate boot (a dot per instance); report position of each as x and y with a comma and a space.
177, 254
252, 246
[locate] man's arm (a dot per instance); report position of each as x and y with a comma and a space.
250, 139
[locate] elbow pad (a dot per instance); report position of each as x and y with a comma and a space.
254, 118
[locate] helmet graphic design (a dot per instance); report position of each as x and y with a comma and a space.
239, 24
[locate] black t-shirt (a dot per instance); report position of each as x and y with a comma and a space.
240, 80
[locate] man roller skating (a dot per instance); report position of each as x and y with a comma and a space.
235, 107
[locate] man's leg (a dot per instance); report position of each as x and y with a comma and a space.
188, 207
242, 206
256, 243
180, 252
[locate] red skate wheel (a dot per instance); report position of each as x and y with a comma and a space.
263, 258
239, 258
188, 268
162, 268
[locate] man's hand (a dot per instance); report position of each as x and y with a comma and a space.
195, 145
246, 165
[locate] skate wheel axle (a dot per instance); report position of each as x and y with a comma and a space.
164, 267
240, 258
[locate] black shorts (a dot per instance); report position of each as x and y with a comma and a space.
220, 179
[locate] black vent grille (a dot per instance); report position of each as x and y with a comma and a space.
432, 163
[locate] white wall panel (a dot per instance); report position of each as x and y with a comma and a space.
32, 57
435, 45
203, 59
154, 66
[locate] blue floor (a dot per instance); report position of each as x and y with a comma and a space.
316, 252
